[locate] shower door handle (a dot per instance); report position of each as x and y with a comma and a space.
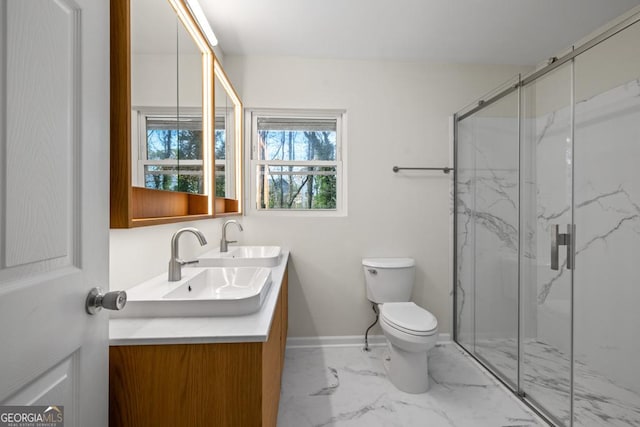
559, 239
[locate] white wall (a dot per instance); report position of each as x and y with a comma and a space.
397, 114
154, 80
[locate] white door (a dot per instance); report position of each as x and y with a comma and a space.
54, 186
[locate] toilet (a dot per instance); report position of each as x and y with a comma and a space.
411, 331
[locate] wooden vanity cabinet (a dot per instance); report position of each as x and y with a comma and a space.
226, 385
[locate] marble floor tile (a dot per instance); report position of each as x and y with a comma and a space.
346, 386
599, 401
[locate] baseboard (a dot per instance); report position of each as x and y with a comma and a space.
444, 338
346, 341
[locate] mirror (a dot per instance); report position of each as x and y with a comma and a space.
163, 124
228, 144
166, 99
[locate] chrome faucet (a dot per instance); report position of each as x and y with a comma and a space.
175, 263
224, 243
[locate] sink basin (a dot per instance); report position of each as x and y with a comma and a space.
227, 291
238, 256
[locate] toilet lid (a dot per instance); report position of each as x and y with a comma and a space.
389, 262
409, 317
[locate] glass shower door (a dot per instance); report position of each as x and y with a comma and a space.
545, 244
558, 216
487, 234
607, 217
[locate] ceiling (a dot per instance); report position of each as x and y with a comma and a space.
522, 32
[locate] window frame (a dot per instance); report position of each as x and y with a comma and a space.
252, 162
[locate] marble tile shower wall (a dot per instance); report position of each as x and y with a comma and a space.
607, 216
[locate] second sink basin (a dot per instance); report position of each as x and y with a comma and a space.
237, 256
224, 291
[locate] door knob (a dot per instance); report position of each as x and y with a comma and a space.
97, 300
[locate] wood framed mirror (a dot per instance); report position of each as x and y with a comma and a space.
163, 118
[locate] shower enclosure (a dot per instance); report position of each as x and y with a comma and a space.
547, 233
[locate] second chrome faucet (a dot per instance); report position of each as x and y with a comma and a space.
224, 243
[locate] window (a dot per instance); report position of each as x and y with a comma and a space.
169, 154
298, 161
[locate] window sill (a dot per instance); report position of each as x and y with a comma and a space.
299, 213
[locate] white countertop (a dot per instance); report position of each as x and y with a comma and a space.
198, 330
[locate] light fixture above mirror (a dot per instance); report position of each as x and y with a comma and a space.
201, 20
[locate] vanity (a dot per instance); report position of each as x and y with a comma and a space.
176, 357
200, 371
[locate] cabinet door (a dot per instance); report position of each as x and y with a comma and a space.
185, 385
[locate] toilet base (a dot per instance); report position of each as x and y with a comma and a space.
407, 371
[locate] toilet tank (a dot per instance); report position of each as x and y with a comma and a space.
389, 279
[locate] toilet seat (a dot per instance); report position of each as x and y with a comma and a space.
409, 318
